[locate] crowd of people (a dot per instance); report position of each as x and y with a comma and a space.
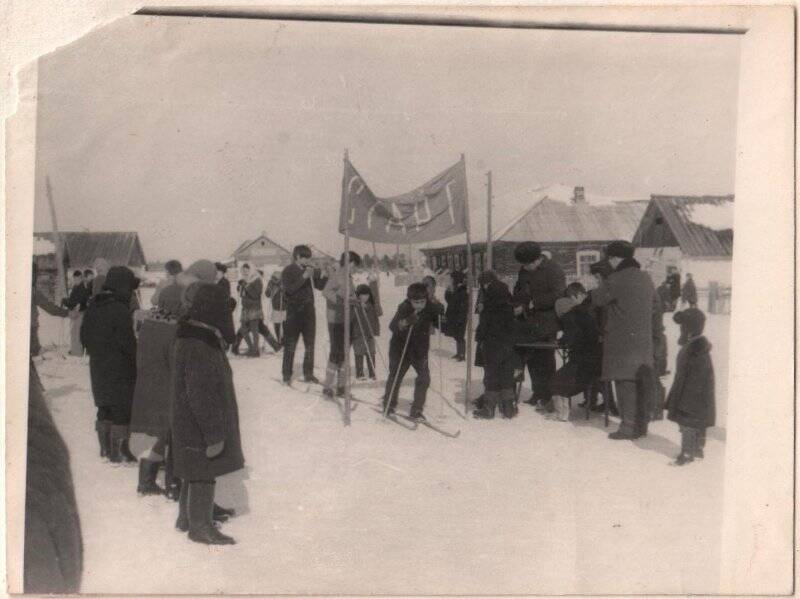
165, 371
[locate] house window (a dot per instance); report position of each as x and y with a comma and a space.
585, 259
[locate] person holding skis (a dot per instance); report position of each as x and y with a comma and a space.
409, 347
337, 303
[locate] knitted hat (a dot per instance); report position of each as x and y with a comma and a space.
417, 291
203, 270
209, 305
619, 249
121, 281
527, 252
692, 322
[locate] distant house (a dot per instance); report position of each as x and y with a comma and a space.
81, 249
262, 252
573, 232
692, 233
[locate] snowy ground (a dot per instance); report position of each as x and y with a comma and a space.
523, 506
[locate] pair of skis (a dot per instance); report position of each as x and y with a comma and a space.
413, 423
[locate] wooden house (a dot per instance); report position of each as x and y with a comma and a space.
262, 253
692, 233
572, 232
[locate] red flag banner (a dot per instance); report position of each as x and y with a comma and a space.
435, 210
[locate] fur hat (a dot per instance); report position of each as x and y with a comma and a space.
121, 281
527, 252
457, 277
619, 249
209, 305
417, 291
203, 270
692, 322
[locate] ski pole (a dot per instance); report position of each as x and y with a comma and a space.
441, 375
397, 374
361, 328
377, 348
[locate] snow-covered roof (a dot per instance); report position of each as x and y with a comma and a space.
700, 225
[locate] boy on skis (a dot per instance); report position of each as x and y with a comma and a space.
364, 327
409, 346
691, 402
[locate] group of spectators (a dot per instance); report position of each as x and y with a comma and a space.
613, 338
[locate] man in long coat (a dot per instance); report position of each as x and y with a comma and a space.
629, 297
539, 284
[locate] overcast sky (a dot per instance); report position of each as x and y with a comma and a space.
200, 133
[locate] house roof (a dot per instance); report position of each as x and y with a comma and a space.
702, 225
120, 248
249, 243
554, 221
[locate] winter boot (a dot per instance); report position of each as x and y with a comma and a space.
182, 524
489, 402
147, 478
236, 344
221, 514
480, 402
103, 428
330, 379
117, 435
508, 403
200, 508
125, 450
561, 405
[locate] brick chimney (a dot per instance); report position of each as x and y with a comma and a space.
578, 197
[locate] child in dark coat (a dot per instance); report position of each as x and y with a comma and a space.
107, 334
581, 339
409, 346
690, 402
498, 331
364, 327
456, 313
205, 416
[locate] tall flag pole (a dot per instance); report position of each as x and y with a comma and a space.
489, 261
346, 201
468, 385
61, 284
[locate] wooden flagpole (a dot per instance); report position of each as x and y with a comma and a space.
61, 284
346, 199
468, 385
489, 261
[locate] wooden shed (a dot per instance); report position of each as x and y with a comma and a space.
262, 252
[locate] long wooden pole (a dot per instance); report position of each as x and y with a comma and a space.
61, 284
489, 261
346, 199
468, 385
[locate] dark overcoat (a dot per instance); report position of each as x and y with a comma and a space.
456, 313
53, 541
107, 335
584, 353
152, 398
420, 341
543, 287
204, 411
629, 299
691, 399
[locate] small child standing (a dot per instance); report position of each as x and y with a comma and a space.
690, 402
364, 327
409, 346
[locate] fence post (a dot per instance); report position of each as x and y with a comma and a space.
713, 296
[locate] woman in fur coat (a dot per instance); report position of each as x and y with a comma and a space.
205, 415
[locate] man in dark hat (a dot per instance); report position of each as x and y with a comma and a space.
627, 336
539, 284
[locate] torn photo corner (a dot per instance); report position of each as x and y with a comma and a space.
232, 148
